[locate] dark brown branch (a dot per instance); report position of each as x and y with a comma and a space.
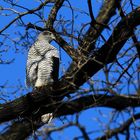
93, 21
32, 26
105, 14
72, 107
85, 135
91, 12
120, 129
53, 13
73, 53
19, 130
116, 102
105, 55
134, 38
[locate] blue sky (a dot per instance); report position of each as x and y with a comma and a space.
13, 75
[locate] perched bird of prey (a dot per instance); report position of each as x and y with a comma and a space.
42, 65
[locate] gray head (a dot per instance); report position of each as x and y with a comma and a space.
47, 35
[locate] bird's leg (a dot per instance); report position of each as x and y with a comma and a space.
46, 118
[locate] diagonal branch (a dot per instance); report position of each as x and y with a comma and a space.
134, 38
53, 14
93, 21
106, 12
120, 129
105, 55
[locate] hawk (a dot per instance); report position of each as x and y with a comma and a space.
42, 65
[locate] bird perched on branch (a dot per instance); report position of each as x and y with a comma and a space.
42, 65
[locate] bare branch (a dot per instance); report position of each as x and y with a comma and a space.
105, 55
120, 129
93, 21
106, 12
53, 14
25, 13
91, 12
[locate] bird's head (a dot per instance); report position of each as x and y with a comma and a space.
47, 35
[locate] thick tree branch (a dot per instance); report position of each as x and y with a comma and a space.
68, 108
116, 102
53, 13
106, 12
24, 129
105, 55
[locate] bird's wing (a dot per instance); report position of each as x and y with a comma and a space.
52, 56
55, 68
34, 57
31, 74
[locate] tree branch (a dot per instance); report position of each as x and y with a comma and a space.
91, 12
53, 14
105, 55
25, 13
106, 12
93, 21
68, 108
120, 129
49, 25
